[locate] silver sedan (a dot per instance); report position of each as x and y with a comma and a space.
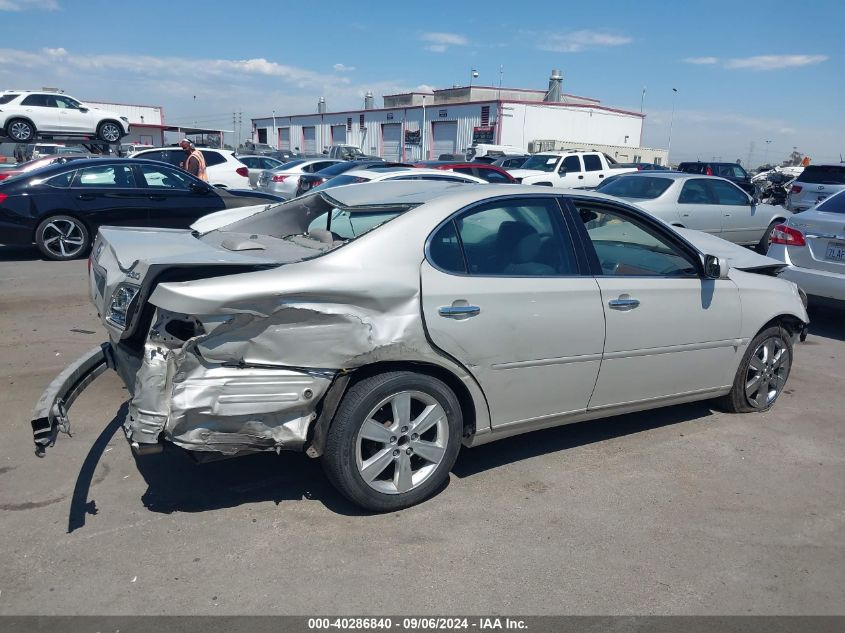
383, 326
705, 203
284, 180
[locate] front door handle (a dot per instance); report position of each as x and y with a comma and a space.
580, 177
156, 197
623, 304
85, 196
458, 312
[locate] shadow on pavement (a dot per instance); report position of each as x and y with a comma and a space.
514, 449
827, 321
19, 253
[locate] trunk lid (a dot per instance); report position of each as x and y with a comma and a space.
825, 237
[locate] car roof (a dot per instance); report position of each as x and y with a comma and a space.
458, 163
661, 173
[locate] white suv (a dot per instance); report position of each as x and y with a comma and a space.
222, 168
25, 114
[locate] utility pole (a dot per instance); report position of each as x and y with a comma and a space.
766, 154
750, 152
642, 100
275, 132
671, 121
239, 127
422, 132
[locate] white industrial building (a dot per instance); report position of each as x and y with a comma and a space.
416, 125
146, 123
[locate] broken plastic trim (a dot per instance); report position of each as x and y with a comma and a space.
51, 411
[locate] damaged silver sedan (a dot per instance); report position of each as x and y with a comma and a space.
382, 326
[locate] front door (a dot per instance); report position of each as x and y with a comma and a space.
109, 195
502, 293
571, 172
175, 199
698, 208
670, 332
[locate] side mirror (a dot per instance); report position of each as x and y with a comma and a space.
83, 109
715, 267
562, 171
197, 187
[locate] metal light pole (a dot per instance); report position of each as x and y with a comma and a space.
766, 154
473, 74
671, 121
275, 132
642, 100
422, 133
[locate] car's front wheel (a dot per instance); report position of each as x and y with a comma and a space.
62, 237
109, 131
20, 130
762, 374
393, 441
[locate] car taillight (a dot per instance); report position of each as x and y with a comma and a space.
242, 171
788, 236
708, 172
796, 189
279, 178
3, 176
3, 197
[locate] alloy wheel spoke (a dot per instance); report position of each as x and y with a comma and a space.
76, 241
375, 466
62, 247
429, 451
401, 407
762, 398
769, 347
376, 432
403, 476
51, 240
753, 385
430, 416
779, 360
757, 364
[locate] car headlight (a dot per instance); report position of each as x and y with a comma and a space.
121, 304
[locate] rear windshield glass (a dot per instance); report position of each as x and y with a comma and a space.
834, 204
541, 162
823, 175
347, 225
292, 163
639, 187
337, 168
338, 181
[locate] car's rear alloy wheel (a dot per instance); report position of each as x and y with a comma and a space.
394, 440
763, 373
20, 131
62, 237
109, 132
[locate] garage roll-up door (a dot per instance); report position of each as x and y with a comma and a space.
284, 138
391, 135
445, 137
338, 134
309, 140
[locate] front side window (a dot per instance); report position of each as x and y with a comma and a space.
696, 191
115, 176
592, 162
513, 238
726, 193
66, 104
541, 162
626, 247
164, 178
571, 164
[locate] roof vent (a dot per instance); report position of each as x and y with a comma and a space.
369, 101
321, 105
555, 87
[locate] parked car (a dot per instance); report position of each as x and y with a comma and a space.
650, 167
481, 150
309, 181
704, 203
347, 152
357, 176
568, 169
38, 163
253, 148
283, 181
511, 161
729, 171
812, 243
814, 185
382, 326
59, 208
224, 170
490, 173
127, 149
27, 114
257, 164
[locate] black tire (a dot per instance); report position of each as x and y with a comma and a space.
340, 456
763, 245
20, 130
109, 132
738, 400
62, 238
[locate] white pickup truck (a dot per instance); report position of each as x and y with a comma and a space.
569, 169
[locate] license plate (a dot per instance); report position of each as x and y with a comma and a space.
835, 252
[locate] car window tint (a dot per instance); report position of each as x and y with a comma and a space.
627, 247
516, 237
116, 176
834, 204
269, 163
823, 175
7, 98
174, 157
444, 249
695, 191
61, 181
36, 100
212, 158
592, 162
64, 103
639, 187
491, 175
253, 162
164, 178
726, 193
573, 163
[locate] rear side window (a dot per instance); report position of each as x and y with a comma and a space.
823, 175
592, 162
36, 100
639, 187
834, 204
7, 98
212, 158
61, 181
691, 168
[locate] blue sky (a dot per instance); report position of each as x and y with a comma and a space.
746, 72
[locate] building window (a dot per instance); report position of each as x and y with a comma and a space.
349, 124
485, 116
361, 125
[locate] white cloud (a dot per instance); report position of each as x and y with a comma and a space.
424, 88
343, 68
701, 61
440, 42
577, 41
775, 62
25, 5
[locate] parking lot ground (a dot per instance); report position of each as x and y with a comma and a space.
680, 510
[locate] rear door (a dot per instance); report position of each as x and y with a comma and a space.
502, 292
110, 195
594, 170
173, 200
741, 223
698, 207
42, 110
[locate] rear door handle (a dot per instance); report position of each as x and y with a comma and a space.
623, 304
457, 312
580, 177
156, 197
